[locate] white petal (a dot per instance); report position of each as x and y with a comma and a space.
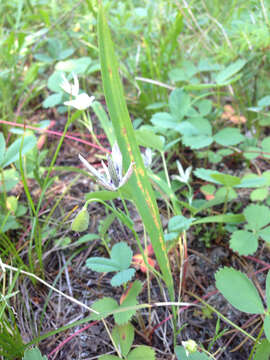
75, 87
180, 169
117, 159
127, 175
65, 85
81, 102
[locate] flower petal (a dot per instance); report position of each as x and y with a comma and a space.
117, 159
127, 175
81, 102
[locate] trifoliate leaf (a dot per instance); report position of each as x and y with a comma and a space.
239, 290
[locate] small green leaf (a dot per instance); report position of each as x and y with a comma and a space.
104, 306
53, 100
13, 152
239, 290
265, 234
257, 216
122, 254
179, 223
123, 336
148, 138
122, 277
266, 326
81, 221
179, 102
227, 180
244, 242
33, 354
229, 137
262, 350
129, 301
259, 194
142, 353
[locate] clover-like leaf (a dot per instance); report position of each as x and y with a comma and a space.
244, 242
239, 290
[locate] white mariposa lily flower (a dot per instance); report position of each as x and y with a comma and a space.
82, 101
183, 175
113, 178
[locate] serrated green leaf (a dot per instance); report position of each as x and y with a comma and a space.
259, 194
81, 221
266, 326
197, 141
122, 254
257, 216
229, 137
179, 223
123, 336
179, 103
148, 138
262, 350
122, 277
207, 175
33, 354
244, 242
129, 301
104, 306
100, 264
239, 290
142, 353
265, 234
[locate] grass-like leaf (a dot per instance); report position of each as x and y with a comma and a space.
142, 192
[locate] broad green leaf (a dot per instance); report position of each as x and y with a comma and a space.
207, 175
53, 100
266, 326
226, 74
78, 66
142, 192
204, 107
229, 137
122, 277
149, 139
239, 290
198, 356
257, 216
262, 350
104, 307
197, 141
33, 354
266, 147
100, 264
81, 221
180, 353
265, 234
123, 336
244, 242
54, 82
267, 286
252, 182
2, 148
13, 152
109, 357
227, 180
265, 101
142, 353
